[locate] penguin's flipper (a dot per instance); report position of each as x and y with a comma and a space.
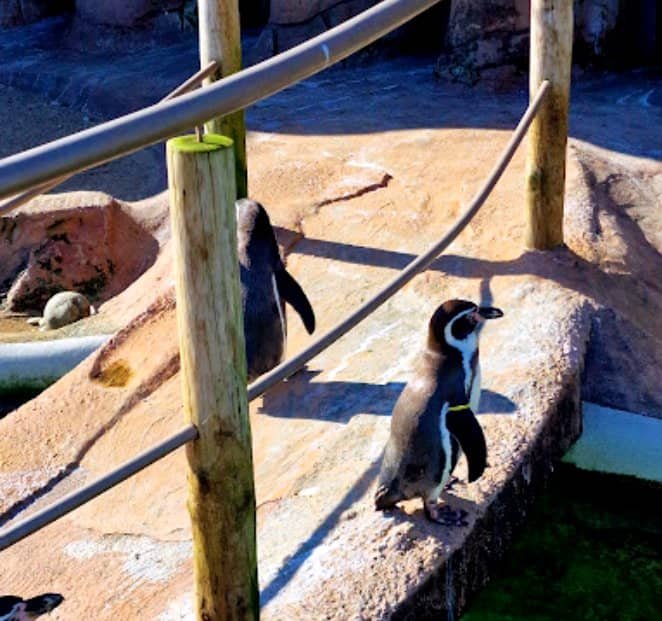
466, 428
291, 292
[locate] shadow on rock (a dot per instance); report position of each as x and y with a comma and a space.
301, 397
338, 402
293, 563
495, 403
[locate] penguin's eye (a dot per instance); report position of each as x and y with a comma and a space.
463, 326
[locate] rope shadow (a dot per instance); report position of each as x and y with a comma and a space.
332, 401
338, 402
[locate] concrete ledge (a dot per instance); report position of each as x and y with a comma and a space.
618, 442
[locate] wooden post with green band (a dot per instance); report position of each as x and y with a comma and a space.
201, 179
220, 40
550, 59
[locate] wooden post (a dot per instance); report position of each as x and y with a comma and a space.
551, 58
220, 40
213, 362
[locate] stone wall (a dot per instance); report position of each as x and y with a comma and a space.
127, 13
477, 36
294, 21
19, 12
474, 37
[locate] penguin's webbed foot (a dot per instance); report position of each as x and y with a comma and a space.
452, 482
444, 515
385, 498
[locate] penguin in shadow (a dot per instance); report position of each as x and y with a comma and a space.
265, 287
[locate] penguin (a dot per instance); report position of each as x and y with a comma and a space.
434, 416
265, 287
14, 608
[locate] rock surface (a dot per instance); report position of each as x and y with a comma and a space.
355, 197
488, 35
83, 242
129, 13
19, 12
294, 21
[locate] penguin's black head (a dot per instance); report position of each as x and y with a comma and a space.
455, 320
43, 604
256, 240
14, 607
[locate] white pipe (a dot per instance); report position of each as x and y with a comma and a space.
618, 442
36, 365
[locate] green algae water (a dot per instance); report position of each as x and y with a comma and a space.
8, 403
591, 551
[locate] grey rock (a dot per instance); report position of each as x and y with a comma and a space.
65, 308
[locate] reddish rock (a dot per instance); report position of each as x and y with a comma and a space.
85, 242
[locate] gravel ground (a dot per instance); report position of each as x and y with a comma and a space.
34, 121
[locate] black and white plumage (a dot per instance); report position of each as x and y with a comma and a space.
13, 608
434, 416
265, 287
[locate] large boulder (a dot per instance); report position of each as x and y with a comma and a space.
19, 12
125, 13
595, 21
488, 32
294, 21
84, 241
483, 36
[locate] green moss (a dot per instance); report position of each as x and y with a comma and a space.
117, 374
190, 144
590, 552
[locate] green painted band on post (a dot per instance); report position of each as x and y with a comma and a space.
191, 144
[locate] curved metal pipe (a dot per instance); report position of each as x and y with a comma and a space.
129, 133
88, 492
419, 264
15, 202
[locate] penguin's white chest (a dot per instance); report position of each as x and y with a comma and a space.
447, 450
474, 392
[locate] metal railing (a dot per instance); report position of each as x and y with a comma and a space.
113, 139
14, 203
129, 133
69, 503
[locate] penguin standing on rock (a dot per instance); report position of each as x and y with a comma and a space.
265, 287
14, 608
434, 416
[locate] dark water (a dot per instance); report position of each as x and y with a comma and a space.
591, 552
10, 403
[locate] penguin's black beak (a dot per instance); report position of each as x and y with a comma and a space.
489, 312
